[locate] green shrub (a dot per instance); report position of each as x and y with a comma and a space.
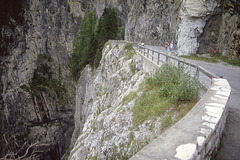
128, 46
195, 57
129, 97
164, 91
44, 79
121, 33
46, 57
149, 105
133, 67
214, 58
176, 84
235, 62
130, 54
25, 87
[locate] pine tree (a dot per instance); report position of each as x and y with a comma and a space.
90, 40
84, 50
107, 29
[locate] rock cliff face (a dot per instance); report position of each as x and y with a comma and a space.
153, 22
104, 126
222, 30
33, 109
192, 25
36, 41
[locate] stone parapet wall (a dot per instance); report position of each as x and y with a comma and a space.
197, 134
214, 120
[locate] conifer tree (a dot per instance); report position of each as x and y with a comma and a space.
83, 51
107, 29
90, 40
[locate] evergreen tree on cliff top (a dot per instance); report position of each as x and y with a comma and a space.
90, 40
82, 51
107, 29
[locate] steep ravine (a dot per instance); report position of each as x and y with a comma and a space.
31, 28
37, 104
37, 97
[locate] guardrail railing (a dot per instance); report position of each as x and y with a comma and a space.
161, 58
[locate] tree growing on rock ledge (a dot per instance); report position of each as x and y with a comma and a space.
90, 40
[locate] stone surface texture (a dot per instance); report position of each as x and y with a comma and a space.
104, 126
192, 25
43, 27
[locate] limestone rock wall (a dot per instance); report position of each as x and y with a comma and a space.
40, 28
181, 21
153, 22
29, 29
193, 16
222, 30
192, 25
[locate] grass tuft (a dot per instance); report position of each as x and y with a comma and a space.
128, 46
129, 97
205, 59
169, 87
133, 67
214, 59
130, 54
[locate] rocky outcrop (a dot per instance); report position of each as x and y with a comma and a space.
192, 25
193, 16
221, 32
156, 22
104, 126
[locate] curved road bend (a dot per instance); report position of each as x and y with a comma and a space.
230, 146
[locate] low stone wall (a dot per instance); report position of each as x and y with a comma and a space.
197, 134
149, 66
214, 119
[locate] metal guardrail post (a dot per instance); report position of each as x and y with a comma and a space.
197, 71
167, 60
143, 50
152, 55
179, 63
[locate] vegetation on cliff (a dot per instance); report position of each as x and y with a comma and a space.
90, 40
44, 78
213, 58
163, 93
